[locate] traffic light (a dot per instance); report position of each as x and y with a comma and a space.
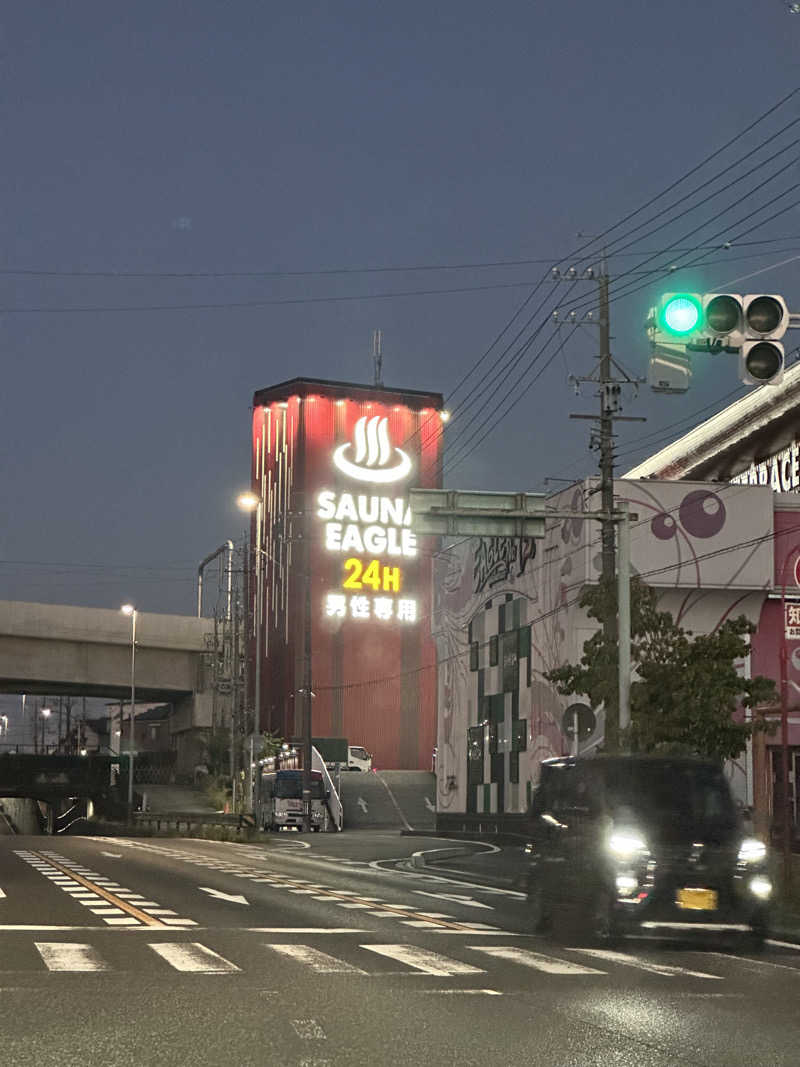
678, 317
766, 321
750, 325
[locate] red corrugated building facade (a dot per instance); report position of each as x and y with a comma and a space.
332, 463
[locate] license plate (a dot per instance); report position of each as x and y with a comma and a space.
697, 899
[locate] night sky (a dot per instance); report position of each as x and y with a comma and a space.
279, 139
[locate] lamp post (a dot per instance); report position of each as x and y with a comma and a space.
252, 502
45, 717
129, 609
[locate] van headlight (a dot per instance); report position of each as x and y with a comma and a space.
626, 844
761, 887
752, 850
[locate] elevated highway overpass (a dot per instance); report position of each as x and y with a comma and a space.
56, 649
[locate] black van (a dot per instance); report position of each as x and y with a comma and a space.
619, 843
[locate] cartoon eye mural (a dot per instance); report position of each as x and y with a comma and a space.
702, 513
663, 526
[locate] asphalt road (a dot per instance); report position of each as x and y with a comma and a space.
323, 951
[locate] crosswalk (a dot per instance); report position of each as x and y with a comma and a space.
371, 960
112, 903
348, 900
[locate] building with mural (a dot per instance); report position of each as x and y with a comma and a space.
506, 612
341, 581
717, 533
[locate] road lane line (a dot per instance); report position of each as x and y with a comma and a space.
424, 960
303, 930
643, 965
143, 917
69, 956
341, 897
462, 992
318, 961
193, 958
536, 960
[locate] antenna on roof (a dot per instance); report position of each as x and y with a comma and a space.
377, 356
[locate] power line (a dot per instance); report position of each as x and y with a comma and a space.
320, 272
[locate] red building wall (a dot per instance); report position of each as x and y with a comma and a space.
373, 677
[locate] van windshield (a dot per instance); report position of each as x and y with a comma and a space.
288, 789
679, 799
292, 789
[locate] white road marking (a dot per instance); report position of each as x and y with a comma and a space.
112, 855
232, 898
193, 957
643, 965
302, 930
462, 992
784, 944
127, 921
363, 805
2, 894
539, 962
457, 898
424, 960
69, 956
41, 926
318, 961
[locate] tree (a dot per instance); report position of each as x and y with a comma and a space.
685, 688
270, 745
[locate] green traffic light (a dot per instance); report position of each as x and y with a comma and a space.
681, 313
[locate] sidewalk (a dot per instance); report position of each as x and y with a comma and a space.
506, 869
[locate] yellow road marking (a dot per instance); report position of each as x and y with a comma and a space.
143, 917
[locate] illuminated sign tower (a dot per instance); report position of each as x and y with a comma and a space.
341, 570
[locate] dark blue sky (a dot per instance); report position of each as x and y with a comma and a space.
203, 136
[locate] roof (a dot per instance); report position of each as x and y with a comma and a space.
761, 423
326, 387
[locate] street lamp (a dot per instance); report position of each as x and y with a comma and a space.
129, 609
251, 502
45, 717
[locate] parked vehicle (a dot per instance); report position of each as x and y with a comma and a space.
358, 759
279, 800
655, 844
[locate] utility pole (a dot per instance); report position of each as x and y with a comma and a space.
236, 699
609, 392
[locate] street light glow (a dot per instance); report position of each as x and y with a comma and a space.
45, 712
127, 609
247, 501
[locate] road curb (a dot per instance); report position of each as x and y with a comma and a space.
418, 858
